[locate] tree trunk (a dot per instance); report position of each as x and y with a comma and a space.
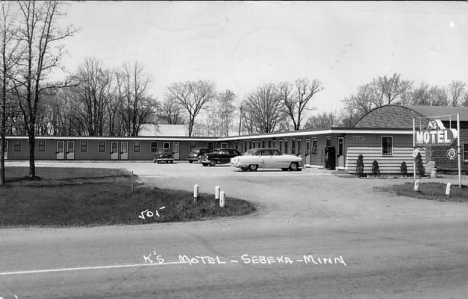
32, 166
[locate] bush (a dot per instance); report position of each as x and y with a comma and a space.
360, 166
420, 170
375, 168
403, 169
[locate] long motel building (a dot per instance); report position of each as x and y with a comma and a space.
389, 134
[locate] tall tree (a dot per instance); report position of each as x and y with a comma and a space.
193, 96
456, 91
389, 90
295, 98
264, 109
324, 120
137, 106
221, 113
41, 37
10, 53
170, 112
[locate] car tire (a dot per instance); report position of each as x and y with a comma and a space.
244, 168
172, 162
284, 169
205, 164
253, 167
190, 161
212, 163
294, 166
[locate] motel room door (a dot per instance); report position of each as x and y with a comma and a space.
5, 152
114, 150
124, 150
60, 150
175, 148
70, 150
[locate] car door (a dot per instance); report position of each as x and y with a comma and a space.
265, 159
278, 160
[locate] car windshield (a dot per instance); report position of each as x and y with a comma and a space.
196, 151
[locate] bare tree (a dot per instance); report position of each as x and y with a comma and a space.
137, 106
389, 90
171, 112
323, 120
92, 94
457, 91
221, 112
10, 53
193, 96
41, 37
296, 98
264, 109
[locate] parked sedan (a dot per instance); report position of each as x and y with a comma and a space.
266, 158
163, 155
219, 156
197, 153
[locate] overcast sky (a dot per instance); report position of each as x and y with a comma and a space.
241, 45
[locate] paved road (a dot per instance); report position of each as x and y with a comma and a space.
370, 244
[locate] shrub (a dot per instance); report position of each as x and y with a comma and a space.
375, 168
360, 166
420, 170
403, 169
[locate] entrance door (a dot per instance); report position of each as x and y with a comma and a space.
340, 154
124, 150
60, 150
114, 150
5, 151
70, 150
175, 147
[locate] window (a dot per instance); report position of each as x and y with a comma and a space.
154, 146
387, 145
223, 145
307, 146
136, 146
263, 143
314, 145
274, 144
465, 153
84, 145
259, 144
286, 146
340, 146
299, 141
17, 146
293, 146
281, 145
102, 146
328, 141
42, 145
269, 143
166, 145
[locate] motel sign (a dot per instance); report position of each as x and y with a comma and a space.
436, 134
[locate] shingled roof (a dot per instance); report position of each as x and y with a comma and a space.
395, 116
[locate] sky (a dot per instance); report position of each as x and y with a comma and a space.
243, 45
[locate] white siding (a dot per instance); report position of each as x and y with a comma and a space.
387, 164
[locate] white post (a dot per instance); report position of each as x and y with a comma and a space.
222, 199
416, 185
459, 150
414, 147
195, 193
448, 190
217, 190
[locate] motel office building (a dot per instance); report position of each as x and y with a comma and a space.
385, 134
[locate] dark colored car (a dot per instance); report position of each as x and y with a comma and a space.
197, 153
163, 155
220, 156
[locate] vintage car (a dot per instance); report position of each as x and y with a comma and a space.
197, 153
163, 155
266, 158
219, 156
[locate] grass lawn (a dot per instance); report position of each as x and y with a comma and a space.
431, 191
93, 197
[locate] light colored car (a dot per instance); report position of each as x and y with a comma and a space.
266, 158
